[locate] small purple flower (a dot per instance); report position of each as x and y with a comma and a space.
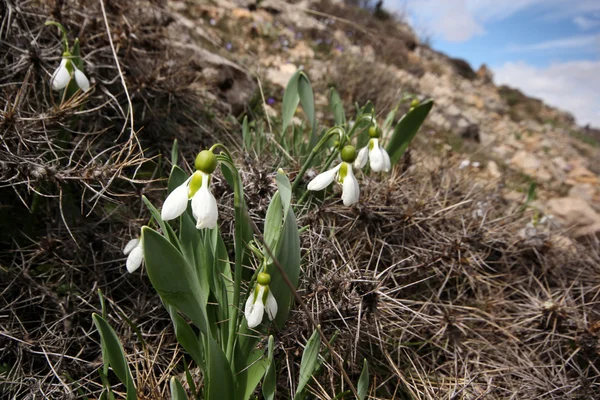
212, 21
228, 46
339, 48
270, 101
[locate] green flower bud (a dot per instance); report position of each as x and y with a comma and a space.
206, 161
263, 279
195, 183
374, 132
348, 154
414, 103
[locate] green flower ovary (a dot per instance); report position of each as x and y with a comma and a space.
206, 161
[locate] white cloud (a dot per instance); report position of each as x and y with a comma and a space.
586, 23
460, 20
451, 20
572, 86
586, 42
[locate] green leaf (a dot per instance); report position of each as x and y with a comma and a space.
363, 382
190, 379
250, 373
308, 363
177, 178
177, 391
113, 354
219, 378
337, 107
76, 53
174, 153
406, 129
287, 252
273, 222
291, 98
307, 100
270, 382
186, 336
195, 251
166, 228
173, 278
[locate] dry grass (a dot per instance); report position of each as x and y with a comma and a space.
428, 277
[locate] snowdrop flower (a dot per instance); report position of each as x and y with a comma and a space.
464, 164
259, 301
135, 254
67, 70
378, 157
343, 174
196, 188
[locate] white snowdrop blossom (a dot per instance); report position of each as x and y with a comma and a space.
135, 254
464, 164
196, 188
259, 301
343, 174
65, 72
377, 155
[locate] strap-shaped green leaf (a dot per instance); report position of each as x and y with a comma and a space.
219, 378
186, 337
307, 101
177, 391
287, 252
308, 363
173, 278
363, 382
249, 373
291, 98
406, 129
269, 385
113, 354
174, 153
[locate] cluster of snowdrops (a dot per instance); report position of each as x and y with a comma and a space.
188, 262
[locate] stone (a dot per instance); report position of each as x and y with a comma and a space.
281, 75
583, 191
240, 13
301, 51
525, 161
493, 170
575, 214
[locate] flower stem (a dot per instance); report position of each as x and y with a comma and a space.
333, 131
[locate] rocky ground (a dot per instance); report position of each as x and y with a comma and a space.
472, 271
509, 136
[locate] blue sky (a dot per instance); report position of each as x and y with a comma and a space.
547, 48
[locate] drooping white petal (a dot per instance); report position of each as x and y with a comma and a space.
376, 159
387, 163
175, 203
350, 189
82, 80
464, 164
324, 179
204, 207
135, 258
271, 306
254, 313
61, 77
130, 246
249, 305
361, 158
